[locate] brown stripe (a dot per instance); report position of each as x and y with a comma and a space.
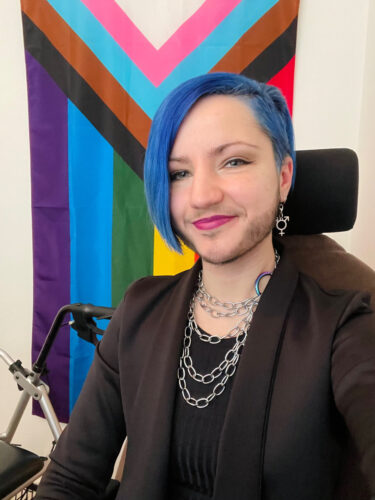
89, 67
259, 37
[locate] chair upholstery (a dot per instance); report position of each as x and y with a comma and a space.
17, 465
324, 199
325, 194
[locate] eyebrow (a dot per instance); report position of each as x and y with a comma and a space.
217, 150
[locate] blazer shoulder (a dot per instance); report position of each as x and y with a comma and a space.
152, 285
345, 301
146, 293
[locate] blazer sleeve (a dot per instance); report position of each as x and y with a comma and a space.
82, 462
353, 379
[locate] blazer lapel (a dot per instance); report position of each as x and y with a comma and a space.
241, 450
146, 471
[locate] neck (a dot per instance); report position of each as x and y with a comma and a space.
234, 281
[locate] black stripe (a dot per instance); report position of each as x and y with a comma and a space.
275, 56
83, 96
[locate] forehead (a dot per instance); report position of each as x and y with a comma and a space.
218, 119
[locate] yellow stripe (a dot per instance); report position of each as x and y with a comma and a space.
167, 261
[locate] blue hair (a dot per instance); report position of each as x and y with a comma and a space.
266, 102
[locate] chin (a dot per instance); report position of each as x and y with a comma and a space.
220, 258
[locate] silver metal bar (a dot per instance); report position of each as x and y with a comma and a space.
7, 436
49, 413
28, 384
5, 357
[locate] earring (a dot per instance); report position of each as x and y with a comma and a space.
281, 220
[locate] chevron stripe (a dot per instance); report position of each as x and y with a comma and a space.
157, 64
259, 37
200, 61
274, 57
284, 80
55, 29
82, 95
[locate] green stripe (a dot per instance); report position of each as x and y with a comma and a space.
132, 230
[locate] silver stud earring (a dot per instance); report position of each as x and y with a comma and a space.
281, 220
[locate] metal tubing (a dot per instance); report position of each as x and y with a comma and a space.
40, 362
7, 436
49, 413
5, 356
87, 309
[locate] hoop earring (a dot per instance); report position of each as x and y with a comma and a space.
281, 220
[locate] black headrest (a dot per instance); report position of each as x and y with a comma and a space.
325, 194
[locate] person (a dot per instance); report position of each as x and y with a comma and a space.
240, 378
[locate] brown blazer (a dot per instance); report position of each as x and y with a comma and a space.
304, 392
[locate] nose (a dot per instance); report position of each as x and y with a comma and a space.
206, 189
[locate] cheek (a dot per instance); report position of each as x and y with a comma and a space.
255, 193
247, 192
176, 203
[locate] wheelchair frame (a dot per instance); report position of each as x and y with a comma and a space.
33, 387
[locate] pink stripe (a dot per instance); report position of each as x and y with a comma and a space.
156, 64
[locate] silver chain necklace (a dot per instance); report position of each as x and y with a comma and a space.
227, 367
210, 303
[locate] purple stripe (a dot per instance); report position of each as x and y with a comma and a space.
50, 217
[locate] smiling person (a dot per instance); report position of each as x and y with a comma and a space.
240, 378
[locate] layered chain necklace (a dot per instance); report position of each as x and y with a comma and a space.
217, 309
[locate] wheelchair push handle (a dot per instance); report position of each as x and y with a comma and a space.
83, 322
6, 358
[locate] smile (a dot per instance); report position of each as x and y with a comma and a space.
212, 222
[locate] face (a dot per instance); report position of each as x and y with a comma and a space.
225, 188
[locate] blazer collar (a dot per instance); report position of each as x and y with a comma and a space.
147, 463
242, 442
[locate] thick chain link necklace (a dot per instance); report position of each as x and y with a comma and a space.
218, 309
226, 369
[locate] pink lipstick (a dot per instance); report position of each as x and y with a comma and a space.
212, 222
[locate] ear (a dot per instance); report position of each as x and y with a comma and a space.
285, 178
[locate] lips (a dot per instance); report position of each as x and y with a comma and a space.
212, 222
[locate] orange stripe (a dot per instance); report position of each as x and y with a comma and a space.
259, 37
83, 60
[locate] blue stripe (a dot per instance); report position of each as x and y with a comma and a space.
200, 61
90, 160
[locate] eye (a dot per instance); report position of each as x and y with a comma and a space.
178, 175
236, 162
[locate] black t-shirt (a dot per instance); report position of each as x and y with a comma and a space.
196, 431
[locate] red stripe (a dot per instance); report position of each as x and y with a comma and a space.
284, 80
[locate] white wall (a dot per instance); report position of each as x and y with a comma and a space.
334, 107
363, 234
331, 56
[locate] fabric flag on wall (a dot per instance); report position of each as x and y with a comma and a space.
96, 73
